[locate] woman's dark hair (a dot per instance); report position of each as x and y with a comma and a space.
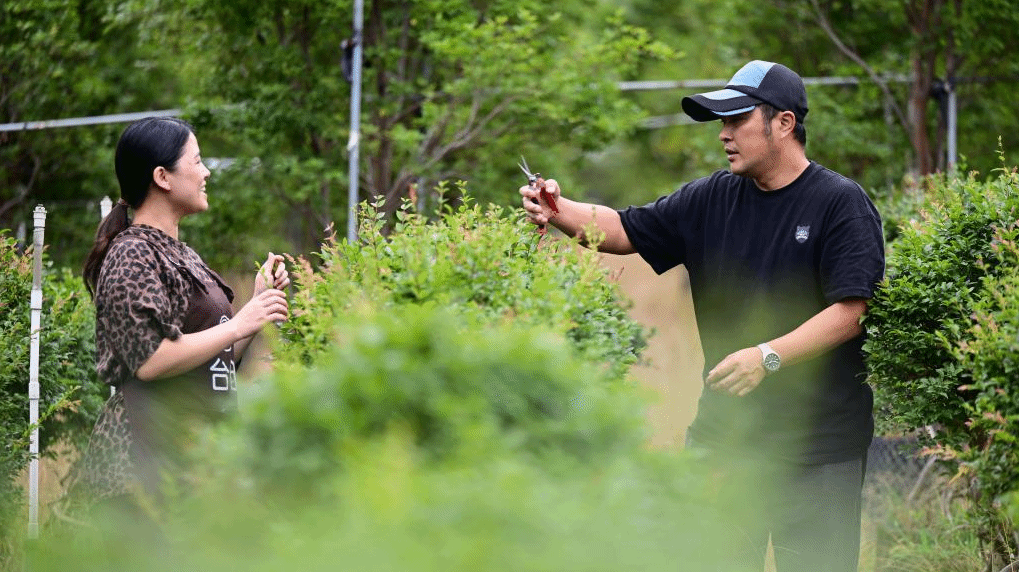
144, 145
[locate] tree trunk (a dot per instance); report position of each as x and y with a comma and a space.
916, 112
924, 18
380, 162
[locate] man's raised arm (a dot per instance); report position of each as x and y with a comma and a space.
573, 217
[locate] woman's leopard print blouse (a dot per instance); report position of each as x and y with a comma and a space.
141, 298
142, 294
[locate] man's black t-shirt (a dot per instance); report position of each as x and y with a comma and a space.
761, 263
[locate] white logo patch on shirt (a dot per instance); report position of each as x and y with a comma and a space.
802, 233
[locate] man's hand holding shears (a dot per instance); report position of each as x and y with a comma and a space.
540, 196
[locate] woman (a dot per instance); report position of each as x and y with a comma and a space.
166, 338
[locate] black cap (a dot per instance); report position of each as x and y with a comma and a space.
755, 83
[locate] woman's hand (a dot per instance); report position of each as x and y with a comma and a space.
272, 274
174, 357
268, 306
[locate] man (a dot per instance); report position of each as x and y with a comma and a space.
782, 255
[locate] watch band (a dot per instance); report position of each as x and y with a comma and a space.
769, 358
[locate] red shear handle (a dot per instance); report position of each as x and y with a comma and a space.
546, 196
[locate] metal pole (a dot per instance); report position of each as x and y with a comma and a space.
33, 374
953, 116
353, 145
82, 121
715, 83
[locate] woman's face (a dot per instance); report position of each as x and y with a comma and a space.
187, 180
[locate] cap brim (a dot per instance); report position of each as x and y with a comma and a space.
715, 104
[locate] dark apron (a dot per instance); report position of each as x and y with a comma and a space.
141, 440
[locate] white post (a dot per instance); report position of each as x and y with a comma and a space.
105, 206
33, 374
353, 146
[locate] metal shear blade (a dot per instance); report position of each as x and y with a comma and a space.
531, 177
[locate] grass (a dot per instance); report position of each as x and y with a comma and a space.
929, 533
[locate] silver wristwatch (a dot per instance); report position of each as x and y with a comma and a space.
769, 359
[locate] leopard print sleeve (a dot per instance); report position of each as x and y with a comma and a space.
140, 301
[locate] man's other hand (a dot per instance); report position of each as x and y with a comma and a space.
738, 374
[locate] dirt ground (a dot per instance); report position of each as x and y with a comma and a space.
673, 358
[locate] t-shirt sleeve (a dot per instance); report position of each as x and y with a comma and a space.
853, 254
658, 230
136, 302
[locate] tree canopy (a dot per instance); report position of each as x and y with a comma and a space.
452, 90
457, 89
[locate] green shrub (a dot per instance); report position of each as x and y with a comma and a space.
990, 354
66, 350
395, 515
70, 395
922, 310
944, 341
900, 208
482, 261
425, 439
462, 389
14, 291
451, 396
374, 344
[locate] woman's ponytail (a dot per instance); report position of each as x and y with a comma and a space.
109, 228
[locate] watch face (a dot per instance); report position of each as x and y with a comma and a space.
771, 362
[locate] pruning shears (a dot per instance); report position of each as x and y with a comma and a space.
535, 180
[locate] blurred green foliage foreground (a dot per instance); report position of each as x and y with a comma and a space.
451, 397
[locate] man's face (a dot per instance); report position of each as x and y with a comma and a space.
749, 144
